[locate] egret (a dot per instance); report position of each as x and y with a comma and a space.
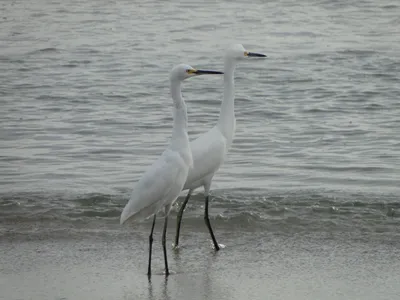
161, 184
210, 149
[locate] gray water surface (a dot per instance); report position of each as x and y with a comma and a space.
85, 104
307, 202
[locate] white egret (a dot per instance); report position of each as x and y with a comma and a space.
161, 184
210, 149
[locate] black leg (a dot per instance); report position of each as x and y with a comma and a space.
179, 218
151, 245
207, 220
164, 244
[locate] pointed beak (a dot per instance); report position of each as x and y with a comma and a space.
204, 72
253, 54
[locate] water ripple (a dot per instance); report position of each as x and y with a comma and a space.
87, 108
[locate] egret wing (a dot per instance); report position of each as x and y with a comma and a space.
149, 193
208, 152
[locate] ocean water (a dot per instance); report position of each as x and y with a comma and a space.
307, 202
85, 108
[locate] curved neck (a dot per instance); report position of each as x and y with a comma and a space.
226, 122
179, 132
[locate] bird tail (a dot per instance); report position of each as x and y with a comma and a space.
134, 216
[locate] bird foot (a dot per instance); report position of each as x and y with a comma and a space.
169, 273
221, 246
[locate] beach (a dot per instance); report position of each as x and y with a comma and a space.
253, 265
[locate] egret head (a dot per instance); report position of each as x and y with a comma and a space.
182, 72
238, 52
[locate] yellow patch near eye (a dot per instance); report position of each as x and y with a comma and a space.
246, 53
191, 71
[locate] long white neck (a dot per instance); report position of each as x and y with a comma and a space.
227, 121
179, 133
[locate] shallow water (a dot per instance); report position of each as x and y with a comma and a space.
85, 109
251, 266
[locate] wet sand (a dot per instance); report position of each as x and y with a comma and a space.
253, 265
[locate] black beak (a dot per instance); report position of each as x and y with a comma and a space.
253, 54
203, 72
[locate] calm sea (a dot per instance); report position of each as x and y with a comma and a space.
85, 108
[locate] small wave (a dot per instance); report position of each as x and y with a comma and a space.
26, 69
69, 65
96, 213
268, 114
185, 40
357, 52
84, 61
88, 50
44, 50
242, 208
374, 106
96, 200
318, 110
38, 14
349, 168
50, 97
204, 27
62, 10
11, 59
299, 33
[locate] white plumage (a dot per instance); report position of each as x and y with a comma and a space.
209, 150
161, 184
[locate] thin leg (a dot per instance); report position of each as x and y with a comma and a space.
207, 220
179, 218
151, 245
164, 239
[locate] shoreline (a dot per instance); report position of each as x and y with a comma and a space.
251, 266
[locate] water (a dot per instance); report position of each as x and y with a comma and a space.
307, 202
86, 108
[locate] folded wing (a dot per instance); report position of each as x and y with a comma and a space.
155, 186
